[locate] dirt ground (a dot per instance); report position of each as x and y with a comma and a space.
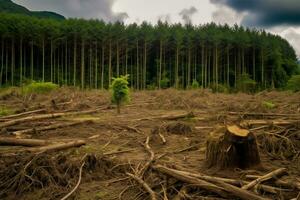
115, 143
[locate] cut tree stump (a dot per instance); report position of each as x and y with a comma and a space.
232, 147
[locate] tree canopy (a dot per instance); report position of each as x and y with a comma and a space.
88, 53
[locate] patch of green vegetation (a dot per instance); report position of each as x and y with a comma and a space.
268, 104
219, 88
39, 88
101, 194
164, 83
4, 111
195, 84
246, 84
120, 91
294, 83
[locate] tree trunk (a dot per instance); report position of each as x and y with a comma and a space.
66, 62
118, 60
254, 66
43, 49
96, 67
21, 61
51, 60
82, 65
31, 67
12, 61
2, 62
145, 66
228, 67
74, 61
160, 63
102, 68
109, 65
236, 148
137, 66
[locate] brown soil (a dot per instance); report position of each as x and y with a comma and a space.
115, 143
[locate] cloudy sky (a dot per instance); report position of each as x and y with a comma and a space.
280, 17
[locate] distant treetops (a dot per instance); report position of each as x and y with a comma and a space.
88, 53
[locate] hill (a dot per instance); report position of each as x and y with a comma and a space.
7, 6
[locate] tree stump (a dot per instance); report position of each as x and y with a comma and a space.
232, 147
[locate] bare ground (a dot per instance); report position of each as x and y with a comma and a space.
115, 143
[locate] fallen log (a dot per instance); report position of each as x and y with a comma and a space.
250, 123
266, 177
45, 116
264, 114
238, 183
23, 142
192, 180
57, 147
171, 117
46, 128
280, 183
5, 118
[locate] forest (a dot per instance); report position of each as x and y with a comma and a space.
89, 53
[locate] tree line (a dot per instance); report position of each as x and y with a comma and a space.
88, 53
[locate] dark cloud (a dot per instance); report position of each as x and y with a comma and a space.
187, 13
101, 9
265, 13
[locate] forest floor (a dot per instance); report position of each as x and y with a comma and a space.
116, 144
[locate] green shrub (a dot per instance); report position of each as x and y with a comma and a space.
246, 84
164, 83
268, 104
218, 88
294, 83
40, 88
195, 84
120, 91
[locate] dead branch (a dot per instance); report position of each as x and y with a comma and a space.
5, 118
280, 183
266, 177
145, 185
118, 152
184, 176
57, 147
77, 185
234, 182
46, 116
264, 114
23, 142
170, 117
192, 180
46, 128
146, 166
249, 123
163, 139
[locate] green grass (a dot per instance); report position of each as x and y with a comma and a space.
39, 88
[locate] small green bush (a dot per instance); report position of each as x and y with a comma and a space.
246, 84
120, 91
268, 104
219, 88
40, 88
164, 83
294, 83
195, 84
